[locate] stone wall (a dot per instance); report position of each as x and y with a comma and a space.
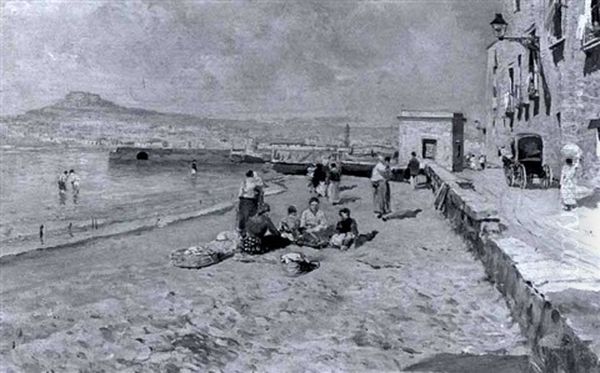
572, 81
556, 346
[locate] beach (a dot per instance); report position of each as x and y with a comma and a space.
117, 304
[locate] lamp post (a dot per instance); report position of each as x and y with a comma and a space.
499, 26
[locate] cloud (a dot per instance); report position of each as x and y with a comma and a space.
363, 58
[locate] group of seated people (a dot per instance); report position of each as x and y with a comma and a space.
310, 229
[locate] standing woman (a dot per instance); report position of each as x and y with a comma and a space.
568, 185
333, 191
249, 195
318, 180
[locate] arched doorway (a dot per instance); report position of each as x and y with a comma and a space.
142, 156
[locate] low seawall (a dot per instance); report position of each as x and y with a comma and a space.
556, 346
169, 155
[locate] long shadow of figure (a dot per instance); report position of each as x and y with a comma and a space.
402, 214
345, 200
347, 187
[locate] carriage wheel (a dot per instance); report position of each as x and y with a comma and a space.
547, 176
521, 176
508, 175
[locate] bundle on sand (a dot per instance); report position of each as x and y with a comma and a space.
295, 264
203, 256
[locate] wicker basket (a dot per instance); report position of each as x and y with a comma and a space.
195, 257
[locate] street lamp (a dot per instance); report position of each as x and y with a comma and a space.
499, 26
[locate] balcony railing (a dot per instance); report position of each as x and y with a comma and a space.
591, 37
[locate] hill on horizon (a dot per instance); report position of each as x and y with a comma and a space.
87, 117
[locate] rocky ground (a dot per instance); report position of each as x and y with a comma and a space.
413, 296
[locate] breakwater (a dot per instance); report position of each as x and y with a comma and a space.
171, 155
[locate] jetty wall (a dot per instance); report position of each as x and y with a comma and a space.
166, 155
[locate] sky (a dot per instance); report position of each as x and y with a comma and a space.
236, 59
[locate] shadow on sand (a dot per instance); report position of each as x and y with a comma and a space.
465, 363
345, 200
590, 201
401, 214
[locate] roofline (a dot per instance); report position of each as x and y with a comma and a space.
429, 115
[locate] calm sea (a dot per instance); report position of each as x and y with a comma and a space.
109, 192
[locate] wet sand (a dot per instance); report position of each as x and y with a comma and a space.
117, 304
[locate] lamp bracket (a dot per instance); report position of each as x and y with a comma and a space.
531, 42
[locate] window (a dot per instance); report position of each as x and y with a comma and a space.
429, 148
554, 20
598, 142
533, 77
517, 5
591, 28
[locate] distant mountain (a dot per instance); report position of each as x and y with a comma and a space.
87, 118
78, 101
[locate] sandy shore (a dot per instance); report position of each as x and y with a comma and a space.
118, 305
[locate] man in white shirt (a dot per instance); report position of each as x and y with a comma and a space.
381, 190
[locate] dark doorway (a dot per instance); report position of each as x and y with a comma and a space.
429, 149
142, 156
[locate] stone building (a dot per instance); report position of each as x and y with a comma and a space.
437, 136
552, 88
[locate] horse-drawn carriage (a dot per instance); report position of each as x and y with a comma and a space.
525, 164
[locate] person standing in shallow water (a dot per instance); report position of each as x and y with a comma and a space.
249, 196
194, 168
62, 187
568, 185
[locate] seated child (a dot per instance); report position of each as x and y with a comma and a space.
346, 231
290, 225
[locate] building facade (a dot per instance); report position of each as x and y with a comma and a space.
552, 89
438, 136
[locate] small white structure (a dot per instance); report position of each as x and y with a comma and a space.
437, 136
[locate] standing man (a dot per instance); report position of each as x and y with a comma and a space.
414, 167
379, 181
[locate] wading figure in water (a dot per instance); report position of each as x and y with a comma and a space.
193, 168
75, 180
62, 187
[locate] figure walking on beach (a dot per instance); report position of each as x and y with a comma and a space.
568, 184
414, 168
249, 196
333, 190
381, 188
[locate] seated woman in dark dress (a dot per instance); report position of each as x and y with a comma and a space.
256, 240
